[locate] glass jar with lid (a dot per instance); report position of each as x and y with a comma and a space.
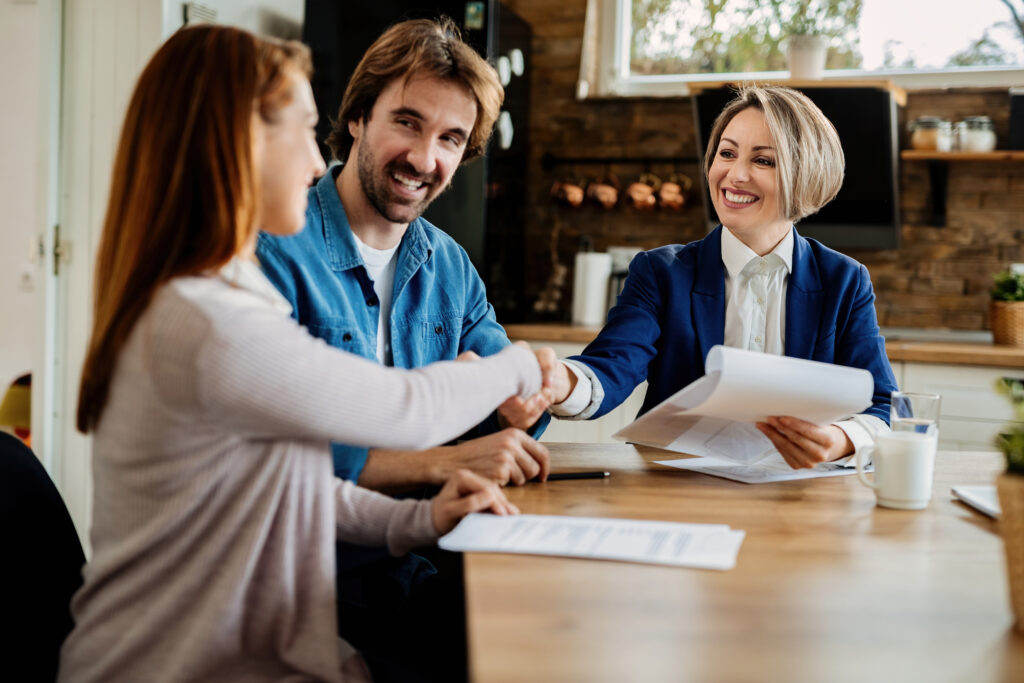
976, 134
931, 133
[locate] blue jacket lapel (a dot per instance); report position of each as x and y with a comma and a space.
804, 296
707, 298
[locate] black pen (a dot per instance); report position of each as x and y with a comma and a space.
557, 476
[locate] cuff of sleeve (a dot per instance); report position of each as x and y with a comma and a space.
528, 367
861, 430
585, 399
349, 461
414, 527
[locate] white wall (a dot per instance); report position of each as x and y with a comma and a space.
282, 18
21, 73
20, 68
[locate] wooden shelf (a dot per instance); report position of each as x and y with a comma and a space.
938, 171
997, 155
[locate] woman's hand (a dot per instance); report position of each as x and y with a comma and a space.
559, 381
805, 444
522, 413
464, 493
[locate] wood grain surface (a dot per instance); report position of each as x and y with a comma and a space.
827, 587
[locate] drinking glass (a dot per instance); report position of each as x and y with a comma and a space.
915, 412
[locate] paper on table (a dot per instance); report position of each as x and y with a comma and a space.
704, 546
713, 416
772, 468
984, 499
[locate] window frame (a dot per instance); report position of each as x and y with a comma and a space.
614, 51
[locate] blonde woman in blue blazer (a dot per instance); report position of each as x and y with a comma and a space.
772, 159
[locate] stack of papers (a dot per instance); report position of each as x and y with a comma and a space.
704, 546
714, 416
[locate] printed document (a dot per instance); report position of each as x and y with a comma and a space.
703, 546
714, 416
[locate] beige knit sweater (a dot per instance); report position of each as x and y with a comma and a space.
215, 507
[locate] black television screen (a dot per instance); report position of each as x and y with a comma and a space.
866, 213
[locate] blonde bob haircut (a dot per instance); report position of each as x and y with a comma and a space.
419, 48
809, 161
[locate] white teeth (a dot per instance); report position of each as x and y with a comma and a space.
739, 198
408, 184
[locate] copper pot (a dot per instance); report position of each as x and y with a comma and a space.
672, 193
567, 193
641, 194
604, 191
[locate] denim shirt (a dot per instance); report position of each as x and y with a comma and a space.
439, 305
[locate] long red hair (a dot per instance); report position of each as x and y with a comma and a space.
184, 193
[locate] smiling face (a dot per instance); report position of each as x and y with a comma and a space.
288, 160
406, 152
743, 181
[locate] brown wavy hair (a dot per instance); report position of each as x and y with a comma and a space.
184, 193
419, 48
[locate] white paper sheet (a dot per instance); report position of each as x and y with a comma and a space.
703, 546
771, 469
714, 416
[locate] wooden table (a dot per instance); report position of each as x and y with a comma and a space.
827, 587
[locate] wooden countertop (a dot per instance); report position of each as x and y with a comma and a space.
991, 355
987, 355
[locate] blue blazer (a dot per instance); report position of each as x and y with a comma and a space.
672, 311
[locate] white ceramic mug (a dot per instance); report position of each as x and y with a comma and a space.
904, 463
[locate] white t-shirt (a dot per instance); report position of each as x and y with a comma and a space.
380, 266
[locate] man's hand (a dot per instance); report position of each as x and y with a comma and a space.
522, 413
510, 456
805, 444
464, 493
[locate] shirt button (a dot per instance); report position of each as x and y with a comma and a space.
439, 329
757, 339
372, 301
760, 301
346, 337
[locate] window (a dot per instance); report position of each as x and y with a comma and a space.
656, 46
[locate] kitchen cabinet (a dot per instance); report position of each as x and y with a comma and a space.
973, 412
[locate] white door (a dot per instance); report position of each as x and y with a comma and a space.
105, 45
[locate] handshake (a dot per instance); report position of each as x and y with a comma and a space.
557, 382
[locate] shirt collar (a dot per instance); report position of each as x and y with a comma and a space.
245, 274
341, 249
736, 255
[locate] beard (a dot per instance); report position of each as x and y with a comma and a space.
377, 188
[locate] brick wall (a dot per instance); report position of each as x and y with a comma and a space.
939, 277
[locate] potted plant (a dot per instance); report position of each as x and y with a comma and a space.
1011, 496
1006, 313
807, 46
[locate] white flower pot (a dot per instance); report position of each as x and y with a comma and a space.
807, 57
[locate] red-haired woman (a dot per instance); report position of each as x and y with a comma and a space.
215, 508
